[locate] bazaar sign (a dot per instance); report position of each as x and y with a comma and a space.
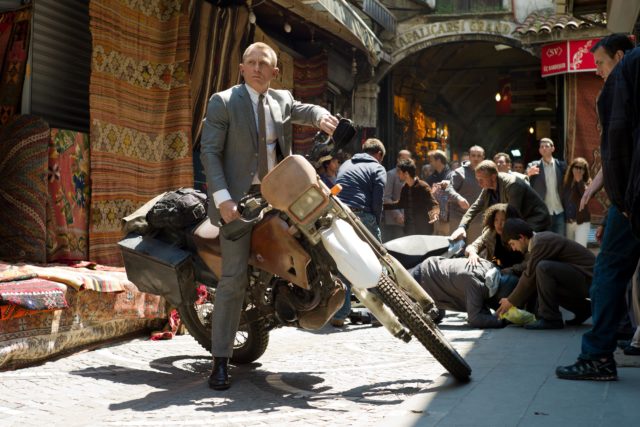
417, 34
572, 56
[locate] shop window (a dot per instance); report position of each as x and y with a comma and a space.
61, 63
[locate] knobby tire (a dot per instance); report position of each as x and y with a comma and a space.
423, 329
252, 338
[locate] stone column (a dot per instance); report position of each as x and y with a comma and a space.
365, 106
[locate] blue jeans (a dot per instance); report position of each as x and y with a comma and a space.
615, 265
369, 221
558, 224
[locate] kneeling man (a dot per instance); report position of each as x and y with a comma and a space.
454, 285
559, 269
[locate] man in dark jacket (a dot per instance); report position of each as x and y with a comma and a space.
619, 112
420, 207
362, 179
545, 176
558, 271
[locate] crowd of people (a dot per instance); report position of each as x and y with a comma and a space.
526, 227
531, 223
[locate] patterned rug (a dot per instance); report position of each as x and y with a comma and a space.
140, 112
69, 195
14, 66
79, 278
23, 194
34, 294
91, 317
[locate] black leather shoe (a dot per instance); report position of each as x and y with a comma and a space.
631, 351
545, 324
219, 378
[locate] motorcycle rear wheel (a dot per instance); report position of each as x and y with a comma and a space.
423, 329
251, 339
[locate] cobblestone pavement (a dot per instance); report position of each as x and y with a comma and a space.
357, 376
353, 376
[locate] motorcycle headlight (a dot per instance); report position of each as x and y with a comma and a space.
309, 201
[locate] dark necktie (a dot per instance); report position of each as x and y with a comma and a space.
263, 164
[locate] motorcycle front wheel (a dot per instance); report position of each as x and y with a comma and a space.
251, 339
423, 329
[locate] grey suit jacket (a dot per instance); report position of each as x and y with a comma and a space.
229, 150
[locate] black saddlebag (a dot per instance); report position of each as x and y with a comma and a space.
158, 268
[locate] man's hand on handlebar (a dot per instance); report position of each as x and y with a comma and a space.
229, 211
328, 124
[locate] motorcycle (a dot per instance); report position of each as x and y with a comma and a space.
303, 240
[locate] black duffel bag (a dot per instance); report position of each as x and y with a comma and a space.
178, 209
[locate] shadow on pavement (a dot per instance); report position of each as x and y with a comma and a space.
182, 381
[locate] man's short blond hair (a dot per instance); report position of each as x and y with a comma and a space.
262, 46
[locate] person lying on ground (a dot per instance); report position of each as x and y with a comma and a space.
457, 286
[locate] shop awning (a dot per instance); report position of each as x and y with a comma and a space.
342, 12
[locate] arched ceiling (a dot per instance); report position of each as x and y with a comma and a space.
456, 83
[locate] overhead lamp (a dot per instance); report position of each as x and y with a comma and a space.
287, 27
531, 130
498, 97
515, 152
499, 47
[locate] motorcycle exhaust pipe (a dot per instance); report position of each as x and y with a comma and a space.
382, 313
285, 312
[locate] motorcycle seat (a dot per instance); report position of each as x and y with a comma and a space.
412, 250
206, 238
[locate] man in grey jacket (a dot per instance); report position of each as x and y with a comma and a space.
247, 131
454, 285
465, 190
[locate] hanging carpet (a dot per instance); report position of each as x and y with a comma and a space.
140, 112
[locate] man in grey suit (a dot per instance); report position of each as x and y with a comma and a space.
247, 131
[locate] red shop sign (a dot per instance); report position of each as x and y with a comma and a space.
580, 56
567, 57
554, 59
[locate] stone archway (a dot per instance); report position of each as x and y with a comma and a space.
416, 35
451, 69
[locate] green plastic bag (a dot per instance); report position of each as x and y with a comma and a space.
518, 316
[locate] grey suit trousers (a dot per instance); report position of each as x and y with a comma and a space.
231, 289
